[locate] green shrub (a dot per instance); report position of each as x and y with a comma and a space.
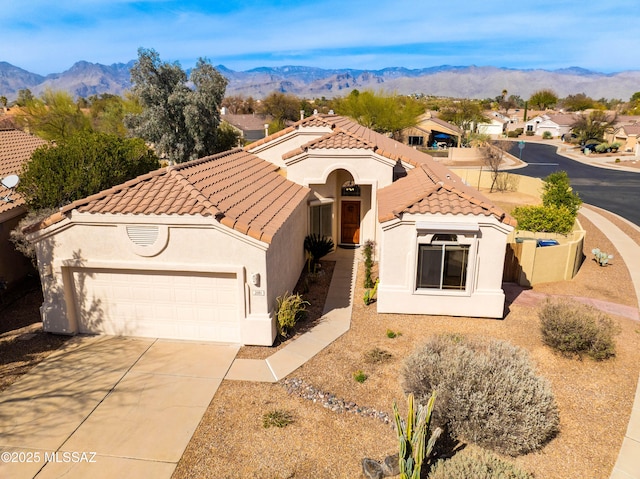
367, 252
317, 246
276, 418
488, 393
603, 147
547, 135
477, 464
549, 219
513, 134
557, 191
575, 329
391, 334
290, 309
360, 376
370, 293
529, 133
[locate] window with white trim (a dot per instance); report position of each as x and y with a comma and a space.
443, 263
320, 219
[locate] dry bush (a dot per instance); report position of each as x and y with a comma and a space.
575, 329
488, 393
477, 464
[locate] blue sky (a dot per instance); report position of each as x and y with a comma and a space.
48, 36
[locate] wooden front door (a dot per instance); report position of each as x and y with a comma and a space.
350, 222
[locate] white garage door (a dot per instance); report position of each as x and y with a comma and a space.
158, 304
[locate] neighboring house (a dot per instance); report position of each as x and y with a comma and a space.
16, 148
558, 125
251, 127
495, 126
429, 130
201, 250
627, 136
531, 125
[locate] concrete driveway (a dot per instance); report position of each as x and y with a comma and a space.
106, 407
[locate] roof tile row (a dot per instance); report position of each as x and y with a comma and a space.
239, 189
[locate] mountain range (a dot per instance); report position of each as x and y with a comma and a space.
85, 79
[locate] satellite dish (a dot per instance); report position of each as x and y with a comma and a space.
10, 181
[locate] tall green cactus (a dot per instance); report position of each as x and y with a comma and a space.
412, 437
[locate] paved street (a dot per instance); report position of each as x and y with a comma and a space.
616, 191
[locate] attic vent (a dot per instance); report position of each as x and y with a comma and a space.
142, 235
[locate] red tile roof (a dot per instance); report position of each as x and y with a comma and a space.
16, 148
239, 189
424, 191
356, 134
429, 187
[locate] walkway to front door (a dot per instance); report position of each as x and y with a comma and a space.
350, 222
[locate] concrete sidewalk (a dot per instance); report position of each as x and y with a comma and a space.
106, 407
336, 320
628, 464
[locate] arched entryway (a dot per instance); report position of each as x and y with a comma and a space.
341, 209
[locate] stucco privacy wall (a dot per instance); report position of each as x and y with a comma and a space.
550, 263
525, 184
483, 296
190, 244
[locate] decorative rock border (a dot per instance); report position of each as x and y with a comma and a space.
300, 388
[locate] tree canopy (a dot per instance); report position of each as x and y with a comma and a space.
592, 126
181, 122
54, 116
543, 99
464, 114
381, 113
86, 163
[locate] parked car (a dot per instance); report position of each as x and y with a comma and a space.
589, 148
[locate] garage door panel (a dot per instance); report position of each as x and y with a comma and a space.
158, 304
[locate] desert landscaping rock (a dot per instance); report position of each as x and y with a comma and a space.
306, 391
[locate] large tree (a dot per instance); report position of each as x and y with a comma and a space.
465, 114
84, 164
543, 99
180, 116
380, 112
54, 116
593, 126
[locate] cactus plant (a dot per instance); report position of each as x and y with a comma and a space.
412, 437
601, 257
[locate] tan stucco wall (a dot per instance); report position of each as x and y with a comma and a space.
193, 244
465, 154
285, 259
484, 296
526, 185
549, 263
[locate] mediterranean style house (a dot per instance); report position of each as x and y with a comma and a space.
201, 250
